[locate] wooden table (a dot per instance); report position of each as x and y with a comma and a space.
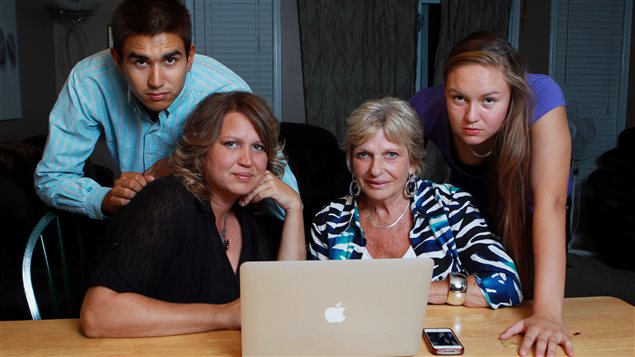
600, 326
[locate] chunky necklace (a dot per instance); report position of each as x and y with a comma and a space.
223, 233
390, 225
480, 156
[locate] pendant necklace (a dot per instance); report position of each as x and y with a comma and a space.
390, 225
480, 156
223, 233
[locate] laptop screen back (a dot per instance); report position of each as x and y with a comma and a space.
349, 307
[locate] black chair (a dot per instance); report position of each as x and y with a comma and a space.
20, 210
613, 212
318, 164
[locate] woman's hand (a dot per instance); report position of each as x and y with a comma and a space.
292, 243
547, 332
439, 293
272, 187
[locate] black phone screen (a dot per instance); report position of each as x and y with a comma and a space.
442, 339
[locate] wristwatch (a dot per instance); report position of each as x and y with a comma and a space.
458, 287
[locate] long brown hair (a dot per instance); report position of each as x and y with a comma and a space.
509, 186
203, 128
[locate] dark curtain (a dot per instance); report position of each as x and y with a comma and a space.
459, 18
352, 51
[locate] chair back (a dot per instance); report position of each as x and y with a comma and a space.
318, 164
47, 241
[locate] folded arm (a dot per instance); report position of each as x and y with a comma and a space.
107, 313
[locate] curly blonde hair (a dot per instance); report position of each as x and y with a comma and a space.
203, 129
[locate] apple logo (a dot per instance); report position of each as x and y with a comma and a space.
335, 314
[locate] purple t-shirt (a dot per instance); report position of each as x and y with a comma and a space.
430, 105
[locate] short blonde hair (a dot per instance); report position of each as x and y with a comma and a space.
396, 118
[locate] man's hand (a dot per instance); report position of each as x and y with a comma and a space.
126, 187
159, 169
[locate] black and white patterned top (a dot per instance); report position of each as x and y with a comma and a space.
448, 229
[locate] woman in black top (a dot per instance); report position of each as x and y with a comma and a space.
172, 263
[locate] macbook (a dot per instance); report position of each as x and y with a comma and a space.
331, 308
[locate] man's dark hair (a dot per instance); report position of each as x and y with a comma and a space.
150, 18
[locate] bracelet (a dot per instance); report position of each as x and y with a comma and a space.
458, 287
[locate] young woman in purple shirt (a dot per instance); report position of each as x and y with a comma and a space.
503, 134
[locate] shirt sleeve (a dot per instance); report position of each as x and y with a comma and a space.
547, 94
73, 133
482, 255
429, 103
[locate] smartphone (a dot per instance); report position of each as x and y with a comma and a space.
442, 341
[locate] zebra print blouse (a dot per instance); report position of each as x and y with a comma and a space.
448, 229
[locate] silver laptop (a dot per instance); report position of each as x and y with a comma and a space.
330, 308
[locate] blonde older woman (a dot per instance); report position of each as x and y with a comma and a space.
392, 213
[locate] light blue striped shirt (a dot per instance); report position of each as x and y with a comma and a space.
95, 101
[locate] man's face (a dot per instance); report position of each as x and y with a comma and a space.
155, 68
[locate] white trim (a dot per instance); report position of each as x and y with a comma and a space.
553, 31
514, 23
422, 58
626, 53
277, 60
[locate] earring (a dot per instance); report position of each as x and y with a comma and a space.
353, 188
411, 186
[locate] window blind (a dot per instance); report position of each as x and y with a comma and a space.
239, 34
590, 41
